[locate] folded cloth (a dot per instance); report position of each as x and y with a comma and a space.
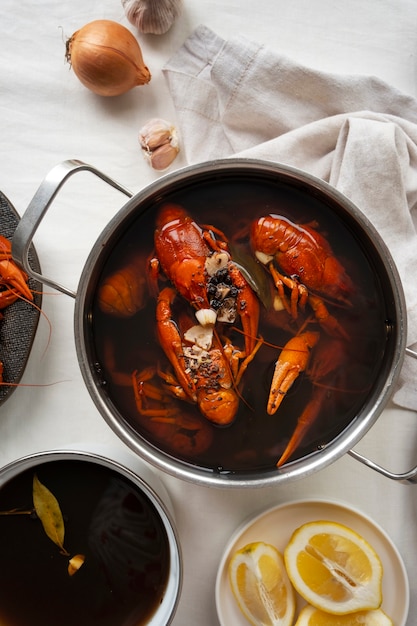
236, 98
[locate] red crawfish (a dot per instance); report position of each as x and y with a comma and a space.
301, 259
197, 261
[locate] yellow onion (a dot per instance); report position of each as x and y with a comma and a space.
107, 58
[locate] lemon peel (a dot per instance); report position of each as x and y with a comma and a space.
261, 586
333, 568
310, 616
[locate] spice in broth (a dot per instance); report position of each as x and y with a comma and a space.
110, 521
331, 389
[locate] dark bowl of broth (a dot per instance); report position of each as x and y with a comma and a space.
85, 540
127, 372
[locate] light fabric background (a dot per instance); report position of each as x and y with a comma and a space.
46, 116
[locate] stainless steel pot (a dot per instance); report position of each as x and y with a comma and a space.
390, 361
115, 479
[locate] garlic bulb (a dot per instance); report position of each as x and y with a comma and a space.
107, 58
152, 16
159, 142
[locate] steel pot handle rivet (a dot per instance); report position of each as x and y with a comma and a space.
37, 208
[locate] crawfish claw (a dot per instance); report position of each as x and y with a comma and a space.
292, 361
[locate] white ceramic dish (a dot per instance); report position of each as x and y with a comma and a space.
276, 526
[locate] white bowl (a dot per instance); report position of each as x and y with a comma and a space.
276, 526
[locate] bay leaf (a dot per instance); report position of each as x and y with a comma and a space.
49, 512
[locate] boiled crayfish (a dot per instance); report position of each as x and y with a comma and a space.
206, 372
194, 273
200, 267
166, 418
301, 259
123, 292
13, 282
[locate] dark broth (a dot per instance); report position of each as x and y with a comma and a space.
255, 440
107, 518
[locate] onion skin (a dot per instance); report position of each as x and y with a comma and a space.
107, 58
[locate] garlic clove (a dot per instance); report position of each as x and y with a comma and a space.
159, 137
201, 336
263, 257
278, 303
217, 261
206, 317
159, 142
152, 16
162, 157
155, 132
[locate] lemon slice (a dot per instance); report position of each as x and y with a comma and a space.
333, 568
261, 585
310, 616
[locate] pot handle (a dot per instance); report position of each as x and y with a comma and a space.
405, 477
37, 208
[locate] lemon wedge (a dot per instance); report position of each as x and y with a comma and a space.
333, 568
311, 616
261, 585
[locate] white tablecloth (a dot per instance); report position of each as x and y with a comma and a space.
47, 116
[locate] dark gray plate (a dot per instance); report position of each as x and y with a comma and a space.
18, 326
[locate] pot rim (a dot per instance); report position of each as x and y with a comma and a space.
172, 594
299, 468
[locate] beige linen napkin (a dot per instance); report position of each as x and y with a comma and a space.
356, 132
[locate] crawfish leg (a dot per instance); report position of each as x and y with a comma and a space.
243, 366
299, 293
171, 343
147, 393
8, 296
292, 361
215, 244
173, 386
327, 321
304, 423
247, 308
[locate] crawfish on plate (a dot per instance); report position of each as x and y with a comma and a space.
13, 282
